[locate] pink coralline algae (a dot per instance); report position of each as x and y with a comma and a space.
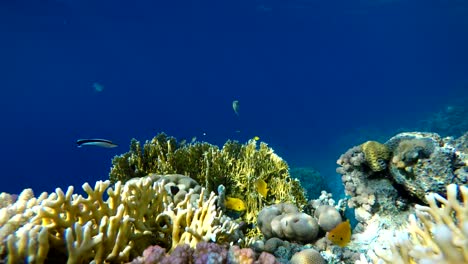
157, 255
210, 253
239, 255
204, 253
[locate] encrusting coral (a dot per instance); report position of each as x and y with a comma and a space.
251, 172
66, 227
376, 154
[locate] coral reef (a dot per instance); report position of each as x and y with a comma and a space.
238, 167
203, 253
66, 227
424, 162
276, 225
284, 221
161, 216
420, 162
365, 189
436, 233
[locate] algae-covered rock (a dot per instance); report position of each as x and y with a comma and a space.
424, 162
238, 167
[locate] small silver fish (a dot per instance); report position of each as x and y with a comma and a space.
235, 107
104, 143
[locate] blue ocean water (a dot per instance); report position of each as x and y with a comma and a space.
313, 77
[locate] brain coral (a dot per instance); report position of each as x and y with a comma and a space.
376, 155
307, 256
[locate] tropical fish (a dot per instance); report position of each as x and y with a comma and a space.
256, 138
235, 204
174, 189
341, 234
261, 187
235, 107
194, 139
98, 87
104, 143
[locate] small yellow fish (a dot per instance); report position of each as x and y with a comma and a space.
341, 234
261, 187
235, 107
256, 138
234, 204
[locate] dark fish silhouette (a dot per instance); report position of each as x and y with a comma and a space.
174, 190
104, 143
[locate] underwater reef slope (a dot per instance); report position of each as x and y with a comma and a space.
409, 197
418, 169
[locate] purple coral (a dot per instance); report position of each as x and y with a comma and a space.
266, 258
182, 254
209, 253
204, 253
151, 255
239, 255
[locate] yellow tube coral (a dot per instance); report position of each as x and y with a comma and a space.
71, 228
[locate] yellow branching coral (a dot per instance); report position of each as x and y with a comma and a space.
238, 167
71, 228
437, 233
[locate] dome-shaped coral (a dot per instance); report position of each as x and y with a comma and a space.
328, 217
307, 256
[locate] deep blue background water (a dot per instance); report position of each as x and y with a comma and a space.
313, 77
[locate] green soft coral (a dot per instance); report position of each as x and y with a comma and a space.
236, 166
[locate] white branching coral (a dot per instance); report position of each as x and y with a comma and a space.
437, 233
67, 227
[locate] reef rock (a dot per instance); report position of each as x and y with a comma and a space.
424, 162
